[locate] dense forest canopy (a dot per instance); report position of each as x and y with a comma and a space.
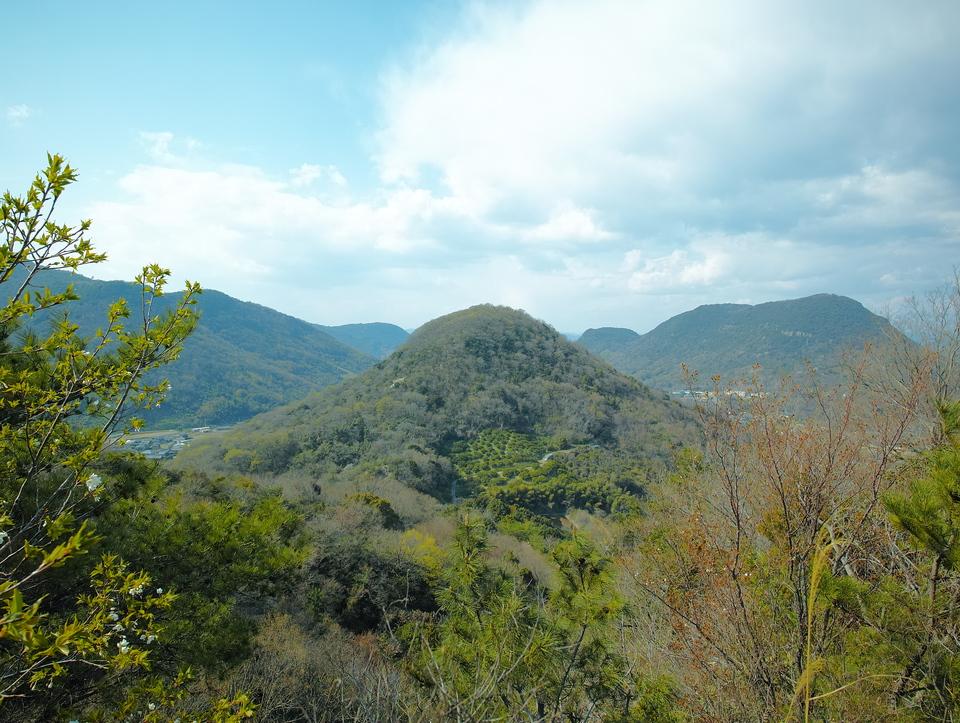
458, 377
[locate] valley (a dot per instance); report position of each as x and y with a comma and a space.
470, 517
480, 362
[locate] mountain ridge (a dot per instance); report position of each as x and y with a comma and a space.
728, 339
243, 358
475, 372
377, 339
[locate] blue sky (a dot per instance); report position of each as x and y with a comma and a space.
595, 163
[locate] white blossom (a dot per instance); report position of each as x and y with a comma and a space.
93, 482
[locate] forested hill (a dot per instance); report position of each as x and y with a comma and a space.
486, 375
375, 339
242, 358
728, 339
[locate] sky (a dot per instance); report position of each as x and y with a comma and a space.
595, 163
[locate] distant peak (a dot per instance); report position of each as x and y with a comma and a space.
609, 332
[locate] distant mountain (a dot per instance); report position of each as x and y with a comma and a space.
607, 339
242, 358
728, 339
487, 376
375, 339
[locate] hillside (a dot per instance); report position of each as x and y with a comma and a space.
607, 339
728, 339
374, 339
489, 384
242, 358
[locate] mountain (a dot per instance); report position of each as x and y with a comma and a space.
376, 339
728, 339
241, 359
471, 398
607, 339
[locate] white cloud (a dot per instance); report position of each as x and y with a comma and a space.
18, 114
568, 224
237, 219
157, 144
655, 102
677, 270
578, 158
756, 147
308, 173
239, 230
877, 196
398, 292
408, 255
160, 146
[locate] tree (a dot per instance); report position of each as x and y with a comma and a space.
63, 399
771, 561
928, 510
504, 649
930, 347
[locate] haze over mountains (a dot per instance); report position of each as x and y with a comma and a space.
242, 358
728, 339
375, 339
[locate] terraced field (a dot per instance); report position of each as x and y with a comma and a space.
524, 474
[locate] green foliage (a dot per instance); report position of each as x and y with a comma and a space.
476, 395
584, 606
61, 397
515, 473
552, 489
112, 626
92, 547
524, 525
656, 701
930, 510
219, 542
364, 589
488, 654
496, 456
388, 517
156, 699
503, 649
